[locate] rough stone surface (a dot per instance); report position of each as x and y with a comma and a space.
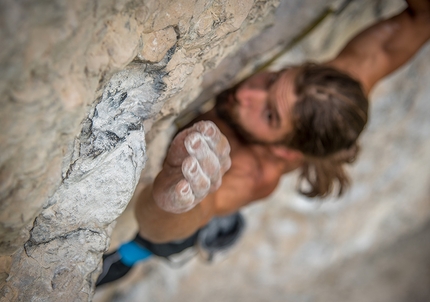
83, 89
87, 98
51, 71
156, 44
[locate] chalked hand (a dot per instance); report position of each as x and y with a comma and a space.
195, 163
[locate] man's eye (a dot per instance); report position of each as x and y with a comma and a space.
272, 79
271, 117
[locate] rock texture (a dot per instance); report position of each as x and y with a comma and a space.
84, 86
89, 92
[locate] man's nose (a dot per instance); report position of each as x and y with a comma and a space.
248, 97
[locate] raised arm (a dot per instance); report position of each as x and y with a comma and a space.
172, 207
382, 48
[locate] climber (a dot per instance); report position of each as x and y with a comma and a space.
305, 117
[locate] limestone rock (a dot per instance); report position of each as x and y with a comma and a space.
88, 98
81, 94
156, 44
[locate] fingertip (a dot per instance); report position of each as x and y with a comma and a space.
193, 142
190, 166
207, 128
183, 187
185, 197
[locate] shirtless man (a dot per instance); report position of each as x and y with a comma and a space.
306, 117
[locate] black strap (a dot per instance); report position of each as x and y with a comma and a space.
167, 249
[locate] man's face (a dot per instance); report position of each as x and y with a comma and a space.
259, 107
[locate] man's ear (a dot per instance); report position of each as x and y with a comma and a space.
287, 153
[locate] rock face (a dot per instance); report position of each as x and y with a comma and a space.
88, 90
84, 86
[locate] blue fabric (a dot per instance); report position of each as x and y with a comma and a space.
131, 253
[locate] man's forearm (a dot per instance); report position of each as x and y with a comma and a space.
160, 226
385, 46
181, 198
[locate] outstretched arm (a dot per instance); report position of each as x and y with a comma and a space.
382, 48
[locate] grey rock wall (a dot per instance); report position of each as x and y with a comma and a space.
89, 92
85, 85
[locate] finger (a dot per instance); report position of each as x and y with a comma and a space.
177, 151
184, 197
217, 142
214, 138
194, 175
174, 196
208, 161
